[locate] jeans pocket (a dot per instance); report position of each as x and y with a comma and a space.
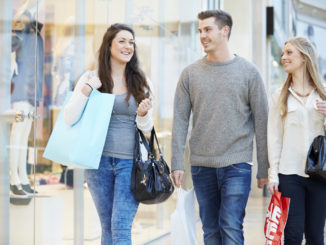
195, 170
242, 167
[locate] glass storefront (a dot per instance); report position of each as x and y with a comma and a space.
316, 34
52, 43
288, 24
283, 14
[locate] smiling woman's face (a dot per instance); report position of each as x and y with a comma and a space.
122, 47
292, 59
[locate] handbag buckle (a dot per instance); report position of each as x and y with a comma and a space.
143, 180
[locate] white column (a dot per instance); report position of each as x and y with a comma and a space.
241, 34
259, 37
79, 173
259, 44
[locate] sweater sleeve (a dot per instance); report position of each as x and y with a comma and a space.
75, 106
275, 137
145, 123
181, 114
259, 109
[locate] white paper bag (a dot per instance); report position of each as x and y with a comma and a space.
183, 219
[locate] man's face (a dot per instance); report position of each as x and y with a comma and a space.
210, 35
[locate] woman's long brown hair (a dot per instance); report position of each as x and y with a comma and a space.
135, 77
311, 71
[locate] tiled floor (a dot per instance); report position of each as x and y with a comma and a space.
151, 235
152, 222
253, 225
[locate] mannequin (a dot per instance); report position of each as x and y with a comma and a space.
24, 29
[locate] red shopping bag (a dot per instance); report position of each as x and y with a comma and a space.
276, 217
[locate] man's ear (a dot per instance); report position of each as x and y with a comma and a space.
226, 30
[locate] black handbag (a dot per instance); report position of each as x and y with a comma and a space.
316, 159
150, 179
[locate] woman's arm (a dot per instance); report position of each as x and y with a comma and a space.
75, 107
144, 119
274, 140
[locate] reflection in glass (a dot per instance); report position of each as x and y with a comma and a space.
26, 53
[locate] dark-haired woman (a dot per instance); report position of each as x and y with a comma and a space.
118, 73
297, 114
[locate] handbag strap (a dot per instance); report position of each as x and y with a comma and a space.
150, 146
145, 143
151, 142
137, 152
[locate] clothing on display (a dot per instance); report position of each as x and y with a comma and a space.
26, 87
24, 45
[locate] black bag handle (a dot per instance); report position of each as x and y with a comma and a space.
150, 146
145, 143
151, 142
137, 153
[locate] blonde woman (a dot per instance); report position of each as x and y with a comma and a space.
297, 114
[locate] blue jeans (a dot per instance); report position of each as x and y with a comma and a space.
222, 195
115, 204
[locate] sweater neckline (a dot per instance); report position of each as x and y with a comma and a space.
235, 59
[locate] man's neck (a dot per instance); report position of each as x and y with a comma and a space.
222, 54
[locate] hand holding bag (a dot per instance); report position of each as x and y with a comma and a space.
183, 219
316, 159
81, 145
276, 218
150, 179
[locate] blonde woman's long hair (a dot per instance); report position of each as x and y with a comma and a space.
311, 71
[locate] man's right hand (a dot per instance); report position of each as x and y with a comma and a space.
177, 176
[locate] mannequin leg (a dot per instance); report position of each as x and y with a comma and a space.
18, 149
16, 131
23, 159
23, 153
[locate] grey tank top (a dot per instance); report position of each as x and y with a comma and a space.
120, 138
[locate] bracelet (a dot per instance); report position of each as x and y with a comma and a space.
89, 86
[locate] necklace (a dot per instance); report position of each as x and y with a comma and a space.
300, 94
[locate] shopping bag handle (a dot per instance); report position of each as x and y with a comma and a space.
148, 146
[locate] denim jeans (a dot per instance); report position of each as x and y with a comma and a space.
307, 212
115, 204
222, 195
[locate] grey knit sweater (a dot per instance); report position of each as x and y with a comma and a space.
229, 106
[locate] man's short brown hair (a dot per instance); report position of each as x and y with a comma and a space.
222, 18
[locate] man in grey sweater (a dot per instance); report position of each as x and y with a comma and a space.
227, 98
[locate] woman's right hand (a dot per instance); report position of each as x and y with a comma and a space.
94, 82
272, 186
91, 84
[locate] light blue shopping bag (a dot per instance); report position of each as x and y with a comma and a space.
81, 145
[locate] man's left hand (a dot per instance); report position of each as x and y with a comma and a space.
261, 182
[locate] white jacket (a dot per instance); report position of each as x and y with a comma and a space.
289, 139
